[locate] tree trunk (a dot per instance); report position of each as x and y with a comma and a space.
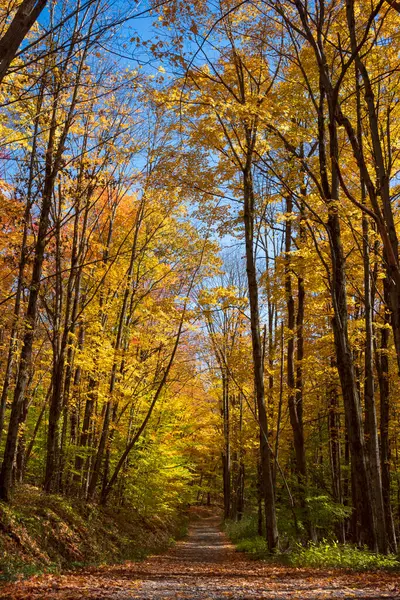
6, 483
24, 18
226, 456
295, 408
362, 500
334, 450
266, 463
382, 366
371, 426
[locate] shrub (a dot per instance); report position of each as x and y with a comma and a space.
333, 554
246, 528
326, 554
325, 513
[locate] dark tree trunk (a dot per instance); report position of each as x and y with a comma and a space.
226, 456
86, 425
24, 18
266, 462
295, 407
382, 366
362, 501
334, 450
371, 426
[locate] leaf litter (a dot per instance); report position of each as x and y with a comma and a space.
205, 566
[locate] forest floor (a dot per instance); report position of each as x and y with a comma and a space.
204, 566
45, 533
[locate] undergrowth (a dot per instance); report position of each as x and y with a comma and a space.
327, 554
333, 554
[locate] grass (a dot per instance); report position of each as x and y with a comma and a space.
325, 554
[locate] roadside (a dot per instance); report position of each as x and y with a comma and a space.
43, 533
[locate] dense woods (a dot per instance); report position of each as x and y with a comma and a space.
200, 262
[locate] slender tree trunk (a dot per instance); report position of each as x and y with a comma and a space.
295, 409
334, 450
36, 429
21, 266
371, 425
117, 346
382, 366
241, 468
59, 342
86, 426
295, 375
226, 457
280, 404
6, 483
266, 463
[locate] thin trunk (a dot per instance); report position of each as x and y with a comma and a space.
266, 463
86, 426
280, 405
117, 346
334, 450
295, 410
6, 483
362, 501
21, 265
382, 366
241, 468
36, 429
371, 425
226, 457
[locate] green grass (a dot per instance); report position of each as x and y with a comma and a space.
325, 554
333, 554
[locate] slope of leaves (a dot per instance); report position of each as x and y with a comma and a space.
47, 532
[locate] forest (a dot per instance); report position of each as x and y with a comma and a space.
200, 269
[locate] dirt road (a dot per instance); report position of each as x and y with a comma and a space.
205, 566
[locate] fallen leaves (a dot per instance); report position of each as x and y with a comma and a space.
205, 566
